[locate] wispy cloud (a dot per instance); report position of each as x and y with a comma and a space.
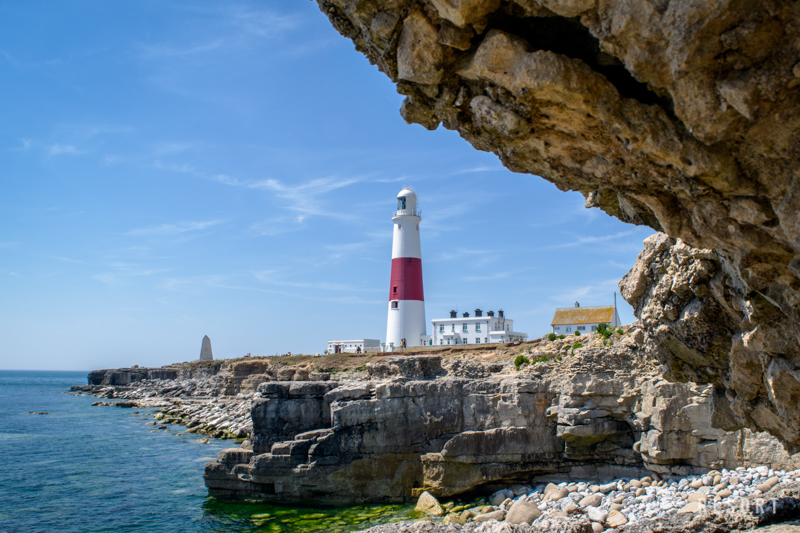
122, 272
8, 244
578, 240
58, 149
175, 229
493, 168
223, 29
272, 277
491, 276
67, 259
305, 199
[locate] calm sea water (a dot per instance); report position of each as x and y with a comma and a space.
84, 468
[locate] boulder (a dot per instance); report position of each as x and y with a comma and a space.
522, 511
429, 505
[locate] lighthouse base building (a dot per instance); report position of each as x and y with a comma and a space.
478, 329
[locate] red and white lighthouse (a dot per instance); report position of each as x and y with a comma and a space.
406, 300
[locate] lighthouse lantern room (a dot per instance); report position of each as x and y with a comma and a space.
406, 321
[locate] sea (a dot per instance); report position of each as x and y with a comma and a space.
84, 468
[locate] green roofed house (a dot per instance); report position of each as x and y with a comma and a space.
568, 320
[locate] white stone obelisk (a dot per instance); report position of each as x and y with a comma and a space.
406, 299
205, 350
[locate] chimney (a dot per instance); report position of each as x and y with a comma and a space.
489, 313
577, 304
478, 312
466, 315
453, 314
500, 313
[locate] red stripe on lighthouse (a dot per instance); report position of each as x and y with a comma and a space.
406, 279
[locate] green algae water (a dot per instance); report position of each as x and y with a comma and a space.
84, 469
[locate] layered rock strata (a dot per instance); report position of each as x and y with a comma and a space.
682, 116
586, 413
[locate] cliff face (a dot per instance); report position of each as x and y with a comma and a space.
598, 414
703, 329
683, 116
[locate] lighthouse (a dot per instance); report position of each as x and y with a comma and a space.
406, 301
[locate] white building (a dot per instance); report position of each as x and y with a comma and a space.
354, 346
406, 319
478, 329
568, 320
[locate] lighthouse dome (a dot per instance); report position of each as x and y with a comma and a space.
407, 202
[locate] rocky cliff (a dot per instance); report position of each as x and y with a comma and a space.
584, 413
682, 116
698, 323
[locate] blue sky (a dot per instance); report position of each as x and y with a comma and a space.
174, 170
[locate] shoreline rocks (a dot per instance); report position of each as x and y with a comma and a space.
631, 505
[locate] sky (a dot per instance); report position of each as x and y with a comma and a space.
170, 170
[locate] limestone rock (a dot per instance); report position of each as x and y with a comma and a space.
419, 55
522, 512
691, 507
616, 519
429, 505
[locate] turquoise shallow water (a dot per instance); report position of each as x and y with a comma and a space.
83, 468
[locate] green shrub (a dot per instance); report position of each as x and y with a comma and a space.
562, 336
604, 330
552, 337
620, 332
544, 359
521, 360
577, 345
577, 333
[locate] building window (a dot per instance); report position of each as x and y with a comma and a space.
448, 341
582, 328
441, 341
558, 328
486, 339
594, 328
477, 327
477, 341
441, 328
401, 203
569, 329
394, 305
464, 326
452, 328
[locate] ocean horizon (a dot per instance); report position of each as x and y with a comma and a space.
84, 468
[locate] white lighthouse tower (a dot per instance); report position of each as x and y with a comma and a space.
406, 299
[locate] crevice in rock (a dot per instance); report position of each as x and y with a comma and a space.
567, 36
